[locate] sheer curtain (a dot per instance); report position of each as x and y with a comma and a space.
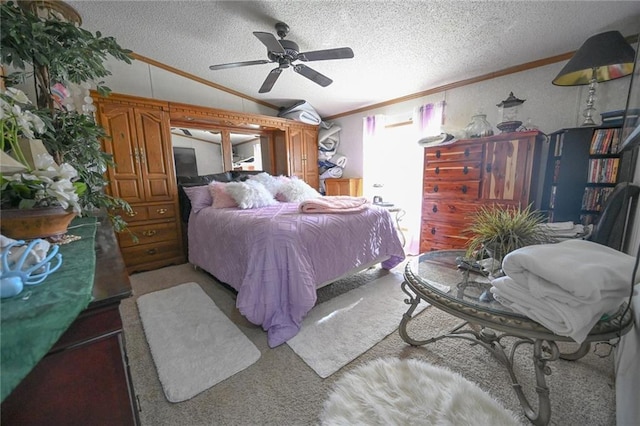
427, 119
374, 146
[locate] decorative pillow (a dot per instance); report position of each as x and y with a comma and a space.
272, 183
221, 198
296, 191
199, 197
250, 194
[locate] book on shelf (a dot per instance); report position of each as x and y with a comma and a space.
558, 146
603, 170
604, 141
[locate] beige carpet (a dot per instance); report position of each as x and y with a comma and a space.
280, 389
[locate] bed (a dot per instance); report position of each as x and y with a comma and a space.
276, 257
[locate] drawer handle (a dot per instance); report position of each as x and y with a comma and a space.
437, 170
161, 211
152, 251
433, 231
488, 168
438, 154
467, 152
464, 189
149, 233
132, 213
435, 208
465, 170
435, 188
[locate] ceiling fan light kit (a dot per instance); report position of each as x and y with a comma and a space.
285, 53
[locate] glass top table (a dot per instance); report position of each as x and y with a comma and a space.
436, 278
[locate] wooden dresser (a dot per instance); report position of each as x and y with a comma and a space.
460, 177
344, 186
84, 379
140, 142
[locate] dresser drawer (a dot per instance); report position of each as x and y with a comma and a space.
146, 212
467, 190
150, 233
147, 253
470, 152
453, 170
445, 235
435, 209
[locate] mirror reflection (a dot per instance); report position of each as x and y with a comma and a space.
202, 151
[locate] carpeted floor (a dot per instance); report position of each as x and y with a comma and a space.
280, 389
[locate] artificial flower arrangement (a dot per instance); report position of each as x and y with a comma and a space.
40, 182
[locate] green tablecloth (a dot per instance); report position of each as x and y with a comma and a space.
29, 328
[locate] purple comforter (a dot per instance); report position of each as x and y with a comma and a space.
275, 256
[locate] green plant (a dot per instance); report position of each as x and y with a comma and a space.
497, 230
58, 54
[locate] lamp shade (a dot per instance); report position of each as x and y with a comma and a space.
608, 53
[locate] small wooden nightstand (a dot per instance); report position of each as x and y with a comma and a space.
344, 186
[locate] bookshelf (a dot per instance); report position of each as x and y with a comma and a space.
583, 167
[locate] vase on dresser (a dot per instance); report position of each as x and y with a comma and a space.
40, 222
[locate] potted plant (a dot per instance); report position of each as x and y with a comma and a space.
496, 231
59, 56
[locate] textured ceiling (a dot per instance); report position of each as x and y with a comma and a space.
400, 47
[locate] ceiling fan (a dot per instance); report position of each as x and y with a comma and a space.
285, 53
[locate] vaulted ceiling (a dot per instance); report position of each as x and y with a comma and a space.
400, 47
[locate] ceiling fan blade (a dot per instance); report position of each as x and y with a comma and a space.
239, 64
323, 55
270, 80
312, 75
269, 40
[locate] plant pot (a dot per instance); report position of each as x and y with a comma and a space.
41, 222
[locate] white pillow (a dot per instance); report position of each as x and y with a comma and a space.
270, 182
250, 194
296, 191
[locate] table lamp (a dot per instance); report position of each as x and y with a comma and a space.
602, 57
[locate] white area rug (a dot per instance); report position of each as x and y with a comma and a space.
194, 345
337, 331
389, 391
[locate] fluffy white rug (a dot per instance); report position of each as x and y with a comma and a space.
194, 345
337, 331
390, 391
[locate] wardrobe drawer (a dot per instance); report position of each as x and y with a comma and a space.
465, 190
453, 170
146, 212
147, 253
435, 209
470, 152
150, 233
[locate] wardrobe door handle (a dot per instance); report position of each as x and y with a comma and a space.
152, 251
149, 233
161, 211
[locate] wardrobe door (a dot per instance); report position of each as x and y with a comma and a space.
156, 160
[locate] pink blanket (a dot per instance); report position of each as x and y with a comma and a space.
334, 204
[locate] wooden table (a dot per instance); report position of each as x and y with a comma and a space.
84, 379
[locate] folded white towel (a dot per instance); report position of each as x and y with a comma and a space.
582, 268
562, 315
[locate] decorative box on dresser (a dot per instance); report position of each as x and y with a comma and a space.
343, 186
460, 177
139, 139
84, 379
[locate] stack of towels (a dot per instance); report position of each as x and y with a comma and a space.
567, 287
